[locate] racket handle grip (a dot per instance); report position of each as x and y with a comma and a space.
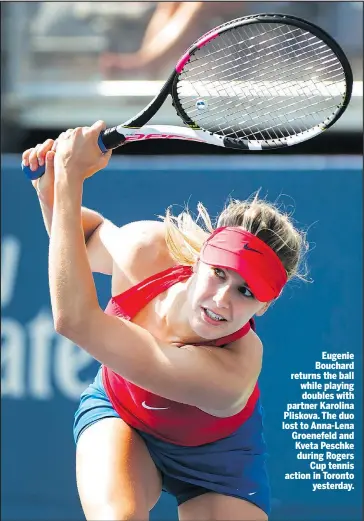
100, 142
33, 174
107, 140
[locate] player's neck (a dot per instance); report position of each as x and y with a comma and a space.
173, 312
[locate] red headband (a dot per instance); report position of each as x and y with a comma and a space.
253, 259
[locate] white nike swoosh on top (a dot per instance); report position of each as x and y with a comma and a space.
251, 493
154, 408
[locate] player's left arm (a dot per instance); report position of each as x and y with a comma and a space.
218, 381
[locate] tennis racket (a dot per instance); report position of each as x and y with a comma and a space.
255, 83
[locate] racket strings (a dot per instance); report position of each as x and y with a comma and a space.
279, 85
297, 52
247, 69
209, 56
230, 77
265, 110
291, 82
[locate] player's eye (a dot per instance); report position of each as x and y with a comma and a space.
246, 292
219, 273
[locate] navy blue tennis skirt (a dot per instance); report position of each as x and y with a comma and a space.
234, 466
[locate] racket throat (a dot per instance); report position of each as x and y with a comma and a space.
152, 108
169, 132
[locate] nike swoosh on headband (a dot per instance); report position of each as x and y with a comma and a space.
247, 247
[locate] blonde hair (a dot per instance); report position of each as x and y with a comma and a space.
185, 236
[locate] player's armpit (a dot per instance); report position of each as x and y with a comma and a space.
114, 250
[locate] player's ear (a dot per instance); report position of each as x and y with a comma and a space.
263, 309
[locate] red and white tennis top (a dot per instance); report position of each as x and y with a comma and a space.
165, 419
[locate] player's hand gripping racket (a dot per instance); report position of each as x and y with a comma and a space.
258, 82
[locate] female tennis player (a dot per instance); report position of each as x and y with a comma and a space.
175, 405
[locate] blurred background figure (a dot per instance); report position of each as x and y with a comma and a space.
171, 24
68, 64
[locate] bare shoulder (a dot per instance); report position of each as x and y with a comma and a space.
139, 251
249, 342
243, 352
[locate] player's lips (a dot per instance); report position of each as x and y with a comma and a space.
212, 317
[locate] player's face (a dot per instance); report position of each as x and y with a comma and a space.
220, 302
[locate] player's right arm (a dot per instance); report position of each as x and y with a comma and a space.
99, 232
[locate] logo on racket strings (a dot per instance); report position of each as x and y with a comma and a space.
202, 105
